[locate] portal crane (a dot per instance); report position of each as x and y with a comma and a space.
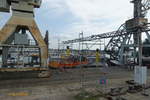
21, 21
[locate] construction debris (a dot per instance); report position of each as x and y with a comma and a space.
117, 91
135, 89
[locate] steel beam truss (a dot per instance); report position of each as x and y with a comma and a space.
95, 37
120, 39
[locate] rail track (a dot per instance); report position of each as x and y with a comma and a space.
67, 76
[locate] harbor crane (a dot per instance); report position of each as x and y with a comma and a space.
14, 32
120, 39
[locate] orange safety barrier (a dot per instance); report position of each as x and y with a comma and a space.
56, 64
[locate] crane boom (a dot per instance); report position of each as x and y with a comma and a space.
146, 6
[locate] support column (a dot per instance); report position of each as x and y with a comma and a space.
4, 56
19, 21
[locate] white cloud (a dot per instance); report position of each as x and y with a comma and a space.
55, 7
89, 10
97, 16
93, 16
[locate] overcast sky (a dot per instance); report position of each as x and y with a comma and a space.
66, 18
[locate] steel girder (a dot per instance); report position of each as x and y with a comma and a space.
17, 21
115, 43
96, 37
120, 38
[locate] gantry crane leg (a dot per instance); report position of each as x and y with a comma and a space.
30, 24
